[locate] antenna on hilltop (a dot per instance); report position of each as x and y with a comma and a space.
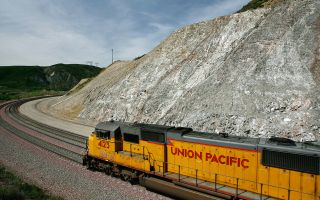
111, 56
89, 62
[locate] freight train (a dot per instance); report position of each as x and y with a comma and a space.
218, 164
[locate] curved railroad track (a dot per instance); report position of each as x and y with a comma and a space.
66, 144
63, 143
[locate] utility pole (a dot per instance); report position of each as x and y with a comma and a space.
111, 56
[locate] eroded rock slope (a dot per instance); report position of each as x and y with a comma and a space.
255, 73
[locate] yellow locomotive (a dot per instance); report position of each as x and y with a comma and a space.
239, 167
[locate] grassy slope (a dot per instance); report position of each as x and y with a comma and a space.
254, 4
79, 71
67, 76
22, 77
17, 81
12, 187
25, 81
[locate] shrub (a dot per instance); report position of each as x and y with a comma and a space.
254, 4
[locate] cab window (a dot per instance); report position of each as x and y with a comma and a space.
131, 138
103, 134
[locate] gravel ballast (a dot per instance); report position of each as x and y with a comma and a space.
62, 177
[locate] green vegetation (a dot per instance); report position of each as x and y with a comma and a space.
25, 81
65, 77
78, 70
12, 187
18, 94
137, 58
22, 77
254, 4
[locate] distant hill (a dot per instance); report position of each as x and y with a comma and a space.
15, 80
64, 77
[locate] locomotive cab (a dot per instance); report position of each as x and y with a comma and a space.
103, 142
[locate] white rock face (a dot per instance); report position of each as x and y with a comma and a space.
255, 73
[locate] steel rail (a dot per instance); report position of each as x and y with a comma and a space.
65, 134
53, 133
73, 156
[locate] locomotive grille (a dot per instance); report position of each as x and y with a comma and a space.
292, 161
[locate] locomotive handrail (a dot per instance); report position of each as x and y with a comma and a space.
234, 181
150, 155
216, 175
215, 181
144, 147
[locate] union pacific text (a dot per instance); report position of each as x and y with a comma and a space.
220, 159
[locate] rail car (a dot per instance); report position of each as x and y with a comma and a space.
238, 167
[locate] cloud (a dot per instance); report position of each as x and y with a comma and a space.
45, 32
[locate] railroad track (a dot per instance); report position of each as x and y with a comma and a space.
63, 143
66, 136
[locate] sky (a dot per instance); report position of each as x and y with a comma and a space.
46, 32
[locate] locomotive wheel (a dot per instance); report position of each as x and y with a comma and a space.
92, 165
108, 171
88, 164
132, 181
125, 177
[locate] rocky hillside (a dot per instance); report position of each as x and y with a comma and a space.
254, 73
59, 77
